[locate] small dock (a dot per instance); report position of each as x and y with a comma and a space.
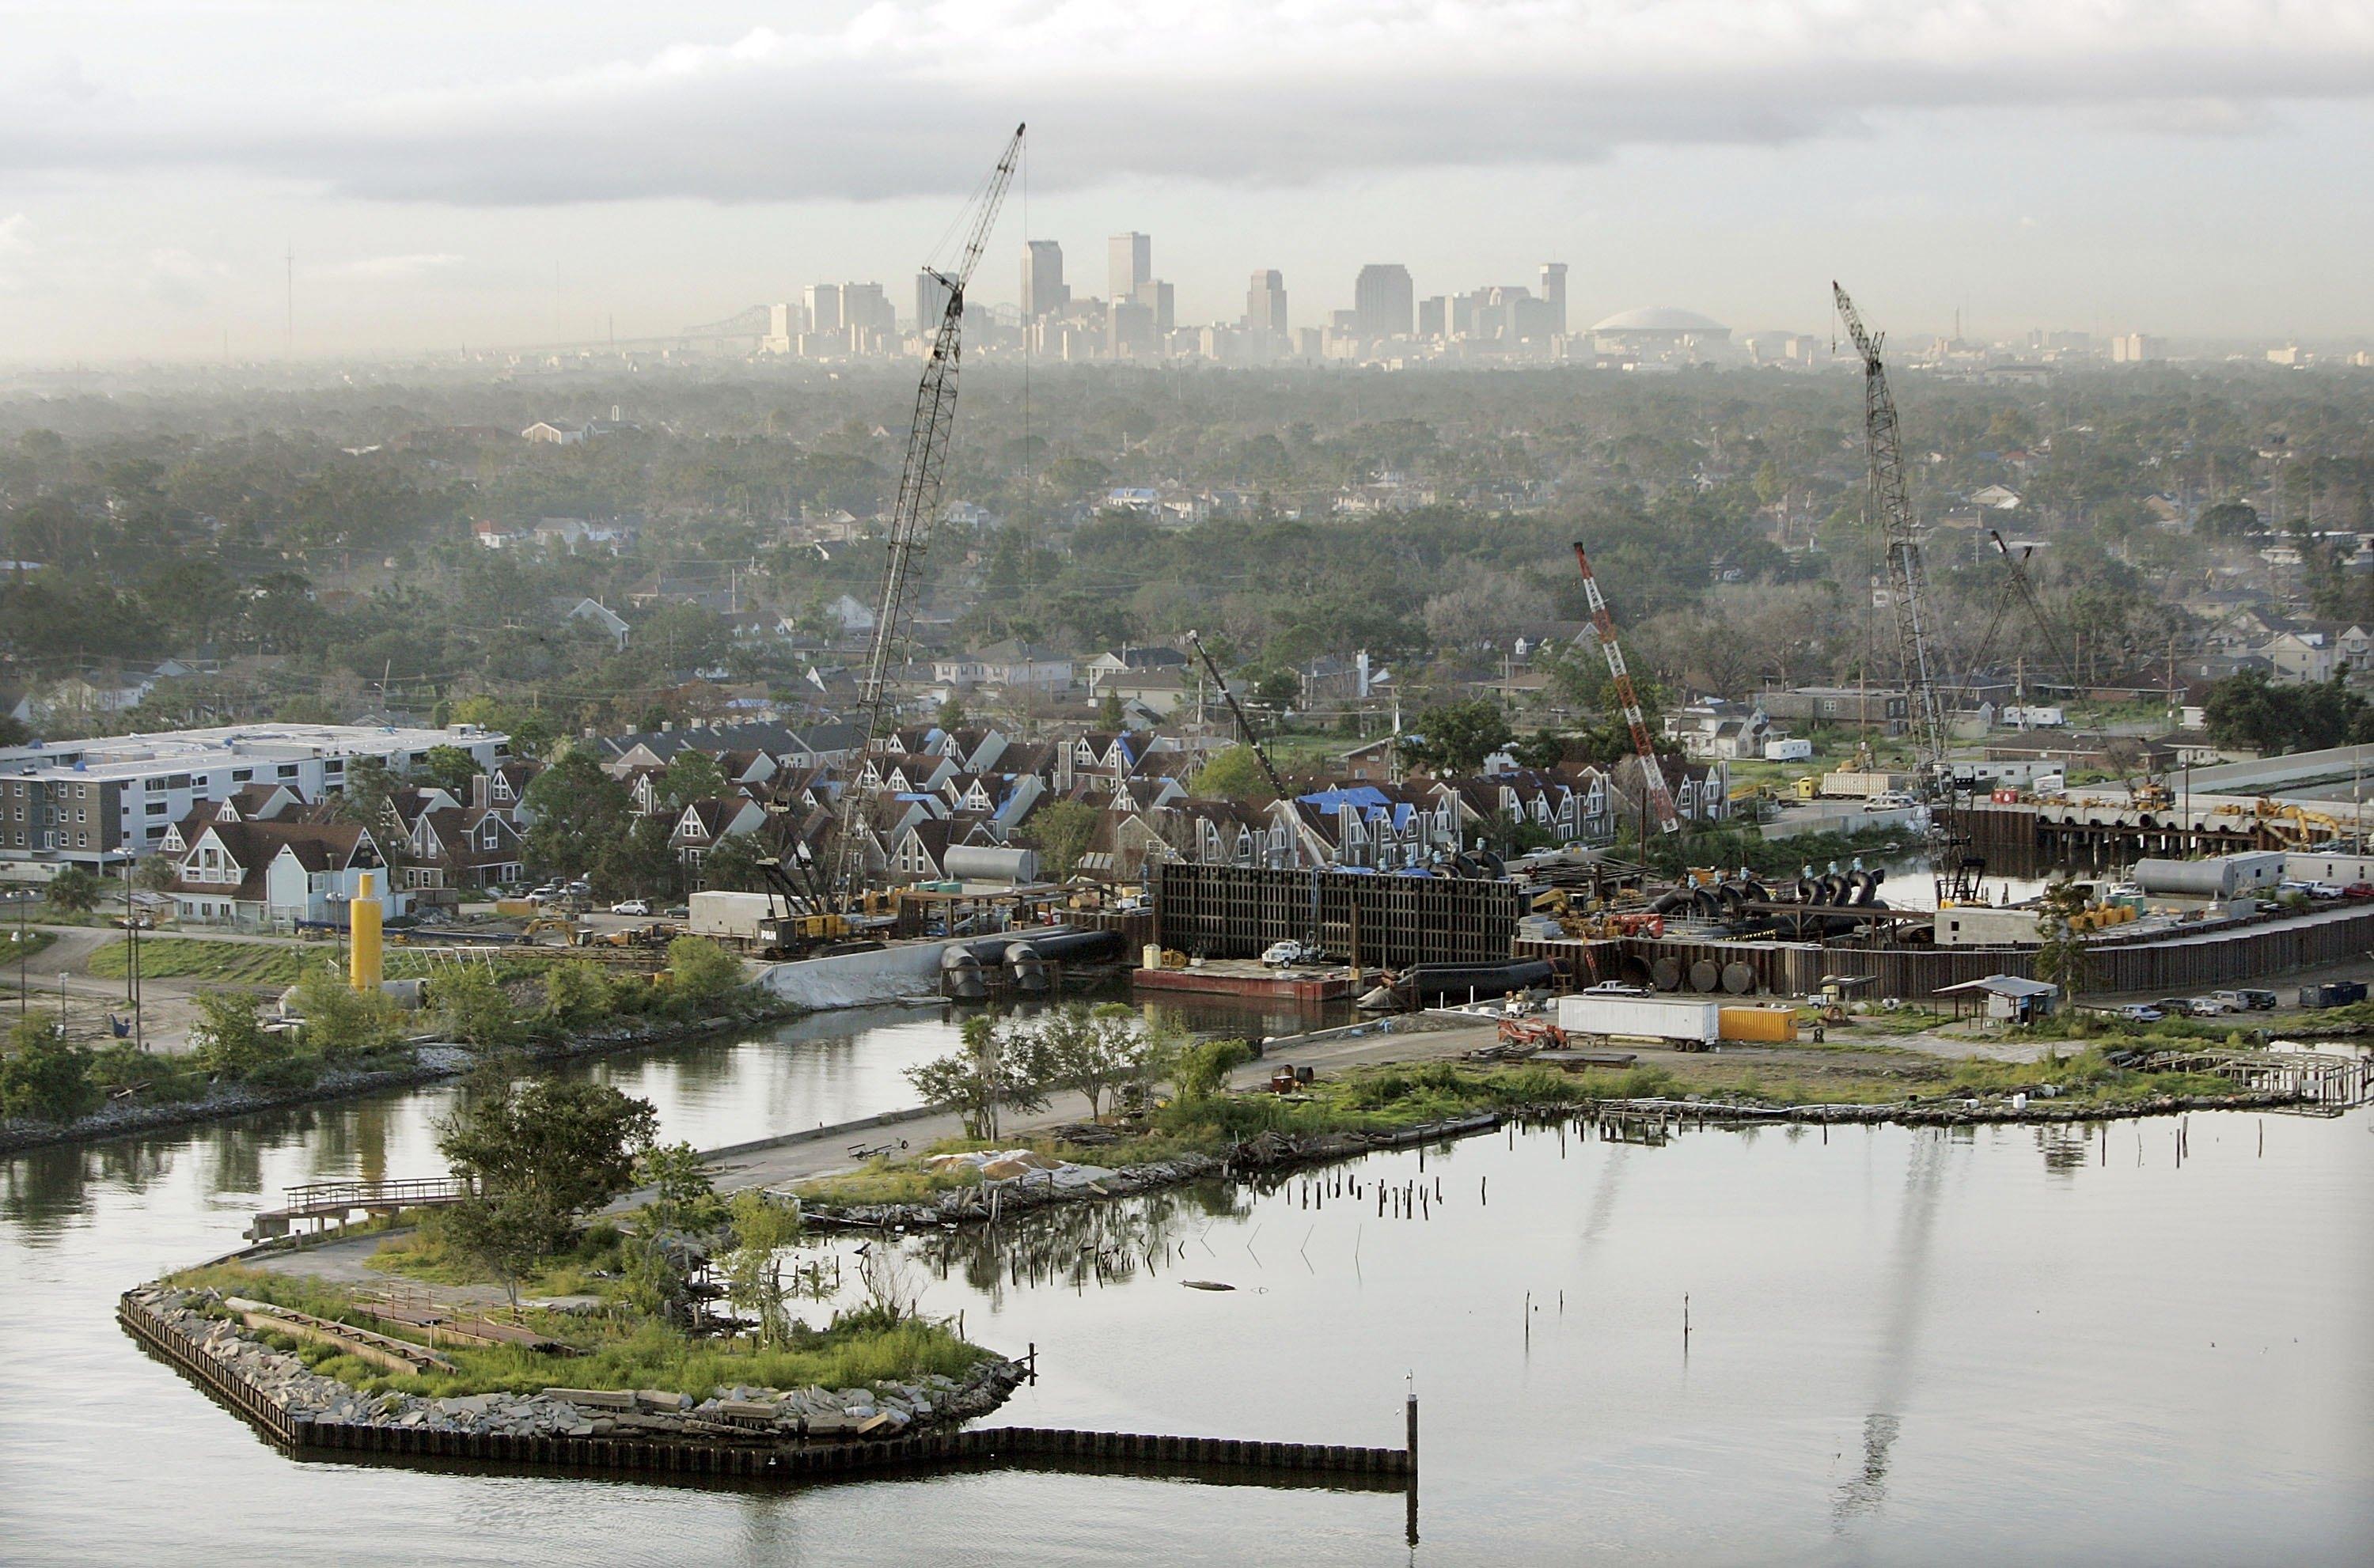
1246, 977
329, 1203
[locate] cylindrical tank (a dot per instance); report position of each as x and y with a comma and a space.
976, 862
363, 969
1705, 974
1665, 974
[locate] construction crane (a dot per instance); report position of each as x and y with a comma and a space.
917, 506
1889, 504
1653, 777
1244, 725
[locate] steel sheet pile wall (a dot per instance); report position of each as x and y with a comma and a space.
1236, 911
2159, 967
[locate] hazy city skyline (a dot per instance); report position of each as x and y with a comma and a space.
2124, 169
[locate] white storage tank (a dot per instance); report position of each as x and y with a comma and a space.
971, 863
2216, 877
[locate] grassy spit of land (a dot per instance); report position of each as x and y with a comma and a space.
1340, 1114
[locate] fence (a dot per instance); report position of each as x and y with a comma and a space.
1236, 911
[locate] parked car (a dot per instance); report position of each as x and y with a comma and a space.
578, 889
2244, 999
2327, 890
2208, 1007
2358, 890
2140, 1012
679, 912
1284, 954
1614, 988
630, 906
2174, 1006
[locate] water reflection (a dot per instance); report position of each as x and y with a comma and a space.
1906, 1297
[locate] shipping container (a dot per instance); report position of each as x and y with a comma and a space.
1863, 786
1770, 1023
1651, 1018
735, 916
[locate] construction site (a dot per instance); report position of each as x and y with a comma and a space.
2159, 883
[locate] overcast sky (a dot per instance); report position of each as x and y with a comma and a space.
492, 172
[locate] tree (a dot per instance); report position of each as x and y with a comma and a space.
45, 1077
75, 891
576, 993
2063, 958
1060, 831
701, 969
683, 1196
691, 776
995, 1068
341, 1020
1455, 738
472, 1008
450, 769
763, 1227
507, 1233
951, 716
1204, 1068
1234, 775
229, 1040
581, 813
1543, 750
571, 1142
1109, 710
1098, 1053
731, 865
153, 873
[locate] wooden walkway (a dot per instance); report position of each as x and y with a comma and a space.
330, 1202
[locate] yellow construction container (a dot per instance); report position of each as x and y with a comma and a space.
363, 970
516, 909
1765, 1024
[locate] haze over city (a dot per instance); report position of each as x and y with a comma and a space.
448, 174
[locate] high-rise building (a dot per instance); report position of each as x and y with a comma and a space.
1384, 300
2137, 348
1157, 296
1265, 309
930, 302
1433, 316
1132, 260
1554, 292
1129, 328
867, 308
1043, 292
824, 307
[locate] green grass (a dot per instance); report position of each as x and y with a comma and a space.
12, 950
595, 1266
618, 1353
273, 963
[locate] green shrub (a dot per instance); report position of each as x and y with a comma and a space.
43, 1078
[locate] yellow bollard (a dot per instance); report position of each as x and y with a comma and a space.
362, 929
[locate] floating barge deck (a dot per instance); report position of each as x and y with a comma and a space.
1244, 977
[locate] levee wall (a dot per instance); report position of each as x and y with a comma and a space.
1236, 911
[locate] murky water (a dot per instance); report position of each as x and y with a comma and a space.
1906, 1347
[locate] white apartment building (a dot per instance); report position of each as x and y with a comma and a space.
99, 802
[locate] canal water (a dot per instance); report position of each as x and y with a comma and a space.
1906, 1346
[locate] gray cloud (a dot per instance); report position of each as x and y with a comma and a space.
911, 100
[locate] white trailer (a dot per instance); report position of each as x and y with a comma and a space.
1641, 1017
735, 916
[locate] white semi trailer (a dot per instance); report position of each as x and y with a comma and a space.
1642, 1017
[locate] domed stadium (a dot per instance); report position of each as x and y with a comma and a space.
1661, 324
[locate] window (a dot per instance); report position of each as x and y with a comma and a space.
155, 808
287, 770
241, 775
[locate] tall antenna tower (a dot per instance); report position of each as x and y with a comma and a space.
289, 352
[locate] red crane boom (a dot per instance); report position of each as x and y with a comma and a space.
1653, 777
